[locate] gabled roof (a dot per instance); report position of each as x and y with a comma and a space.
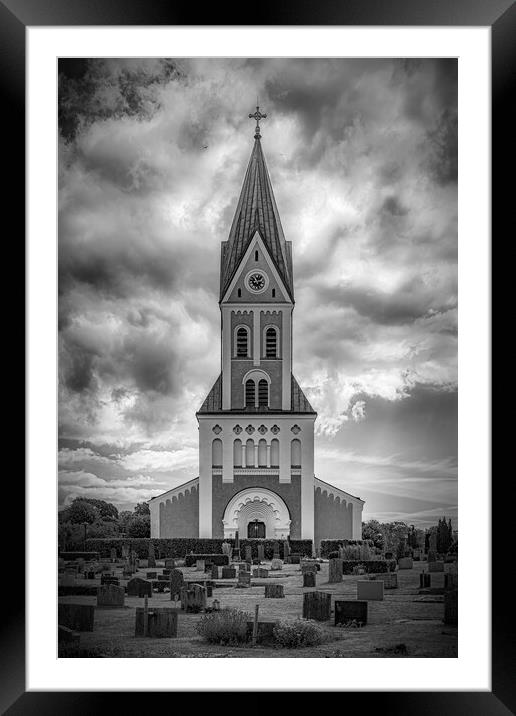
213, 401
256, 211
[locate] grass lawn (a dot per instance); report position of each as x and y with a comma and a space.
405, 623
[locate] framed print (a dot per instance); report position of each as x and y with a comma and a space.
247, 481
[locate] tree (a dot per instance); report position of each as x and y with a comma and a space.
80, 511
142, 508
105, 509
139, 526
444, 536
372, 530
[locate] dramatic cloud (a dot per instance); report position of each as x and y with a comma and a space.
363, 160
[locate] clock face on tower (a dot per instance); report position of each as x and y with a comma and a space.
257, 281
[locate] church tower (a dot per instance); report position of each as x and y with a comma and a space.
256, 426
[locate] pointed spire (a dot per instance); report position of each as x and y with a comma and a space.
256, 211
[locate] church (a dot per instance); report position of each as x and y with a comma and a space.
256, 426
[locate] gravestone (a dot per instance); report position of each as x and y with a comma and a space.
389, 579
166, 572
275, 551
405, 563
158, 585
244, 579
110, 580
113, 554
424, 580
161, 622
236, 548
228, 573
286, 550
309, 567
200, 565
295, 558
209, 590
193, 600
451, 606
151, 559
243, 567
138, 587
151, 575
335, 570
432, 556
176, 582
170, 563
265, 632
78, 617
67, 637
309, 579
436, 566
68, 579
164, 578
276, 565
109, 595
450, 580
347, 611
261, 573
248, 554
370, 591
214, 571
226, 549
317, 605
274, 591
261, 552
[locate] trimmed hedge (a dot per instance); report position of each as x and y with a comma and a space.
221, 560
370, 566
332, 545
179, 547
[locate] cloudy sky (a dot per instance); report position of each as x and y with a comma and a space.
363, 160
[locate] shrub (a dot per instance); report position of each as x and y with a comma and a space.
293, 634
332, 545
372, 565
218, 559
226, 627
181, 546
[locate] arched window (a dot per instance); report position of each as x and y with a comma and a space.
271, 343
295, 453
249, 394
239, 292
263, 394
242, 342
274, 293
237, 453
216, 453
274, 453
262, 453
256, 255
249, 453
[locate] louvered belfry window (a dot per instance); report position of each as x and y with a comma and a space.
249, 394
271, 343
263, 394
242, 347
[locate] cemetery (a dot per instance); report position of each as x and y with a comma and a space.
240, 605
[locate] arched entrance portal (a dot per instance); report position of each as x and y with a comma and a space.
256, 530
257, 512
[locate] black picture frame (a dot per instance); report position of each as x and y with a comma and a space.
500, 16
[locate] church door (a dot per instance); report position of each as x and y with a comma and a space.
256, 530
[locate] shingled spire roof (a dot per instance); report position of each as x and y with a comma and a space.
256, 211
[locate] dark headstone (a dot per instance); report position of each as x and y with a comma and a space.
161, 622
264, 633
244, 579
110, 595
309, 579
170, 563
248, 554
151, 575
193, 600
274, 591
335, 570
261, 573
309, 567
228, 573
347, 611
67, 637
261, 552
451, 606
138, 587
176, 582
105, 579
295, 559
317, 605
78, 617
424, 580
214, 571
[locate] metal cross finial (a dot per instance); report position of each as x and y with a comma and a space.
257, 115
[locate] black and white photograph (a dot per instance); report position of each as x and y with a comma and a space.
257, 357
